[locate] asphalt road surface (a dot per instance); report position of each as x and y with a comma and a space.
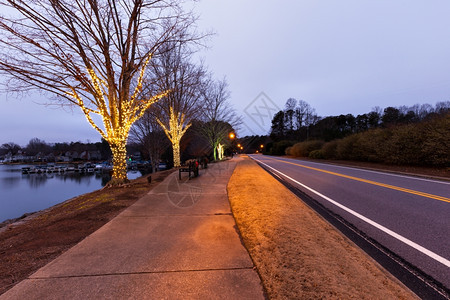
408, 215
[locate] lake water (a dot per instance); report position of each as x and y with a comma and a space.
23, 193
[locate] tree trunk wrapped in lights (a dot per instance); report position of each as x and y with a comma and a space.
175, 132
119, 152
220, 151
91, 54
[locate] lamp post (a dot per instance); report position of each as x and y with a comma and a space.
231, 136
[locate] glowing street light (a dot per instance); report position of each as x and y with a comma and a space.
232, 135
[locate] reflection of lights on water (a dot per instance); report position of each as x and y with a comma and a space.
11, 177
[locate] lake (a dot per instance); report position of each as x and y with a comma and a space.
24, 193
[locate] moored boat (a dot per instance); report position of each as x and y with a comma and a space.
26, 170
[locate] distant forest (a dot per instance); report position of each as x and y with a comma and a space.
416, 135
39, 148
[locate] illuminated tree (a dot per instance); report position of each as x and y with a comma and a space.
92, 54
217, 114
175, 130
172, 71
220, 151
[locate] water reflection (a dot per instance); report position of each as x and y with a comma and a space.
39, 180
22, 193
10, 182
36, 181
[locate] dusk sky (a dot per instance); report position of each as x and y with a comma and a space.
339, 56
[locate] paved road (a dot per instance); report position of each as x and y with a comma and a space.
408, 215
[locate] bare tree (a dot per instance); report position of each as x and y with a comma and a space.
442, 107
217, 114
92, 54
9, 147
172, 71
150, 138
36, 145
304, 114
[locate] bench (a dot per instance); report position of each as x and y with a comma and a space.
189, 166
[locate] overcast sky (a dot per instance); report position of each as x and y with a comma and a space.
339, 56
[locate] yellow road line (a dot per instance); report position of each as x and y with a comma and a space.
393, 187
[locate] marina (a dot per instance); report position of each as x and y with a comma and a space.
30, 188
52, 168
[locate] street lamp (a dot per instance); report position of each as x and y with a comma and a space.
232, 135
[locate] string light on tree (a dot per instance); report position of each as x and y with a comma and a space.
175, 132
117, 121
220, 151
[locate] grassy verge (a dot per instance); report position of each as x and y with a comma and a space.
28, 245
298, 254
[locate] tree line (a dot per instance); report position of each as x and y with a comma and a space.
415, 135
37, 146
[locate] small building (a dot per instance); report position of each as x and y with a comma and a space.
71, 156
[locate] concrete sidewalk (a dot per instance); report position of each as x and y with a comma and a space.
177, 242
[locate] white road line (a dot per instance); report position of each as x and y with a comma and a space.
408, 242
365, 170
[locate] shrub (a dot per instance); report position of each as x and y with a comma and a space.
303, 149
405, 146
296, 150
436, 143
279, 148
317, 154
329, 150
288, 151
372, 145
345, 147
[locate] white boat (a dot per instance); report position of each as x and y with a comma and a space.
103, 168
60, 169
26, 170
51, 168
41, 169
